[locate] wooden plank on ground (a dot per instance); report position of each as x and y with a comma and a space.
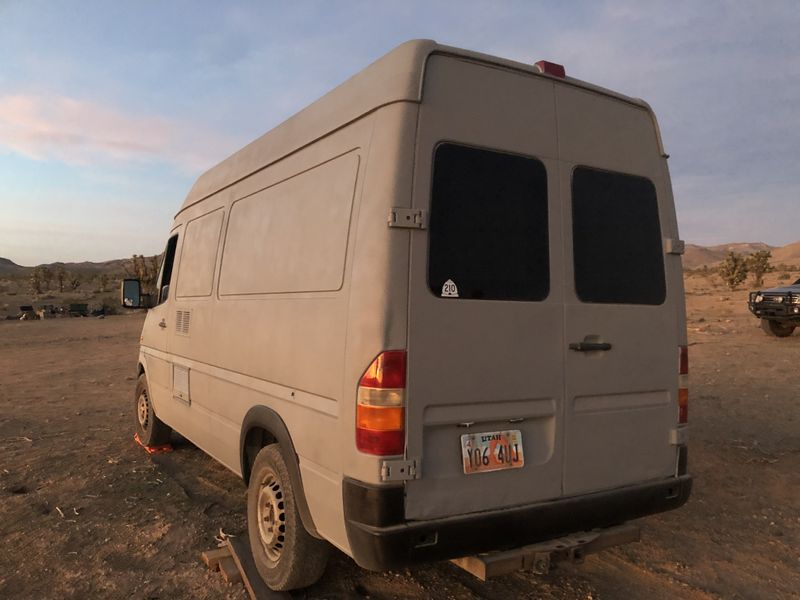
258, 590
230, 570
212, 557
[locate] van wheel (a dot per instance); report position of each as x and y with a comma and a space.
151, 430
776, 328
286, 555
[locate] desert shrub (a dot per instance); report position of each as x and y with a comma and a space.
734, 270
110, 305
708, 272
758, 264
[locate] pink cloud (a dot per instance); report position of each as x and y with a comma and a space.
79, 132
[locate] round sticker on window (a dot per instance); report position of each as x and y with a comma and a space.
449, 289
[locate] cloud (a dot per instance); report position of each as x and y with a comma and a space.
79, 132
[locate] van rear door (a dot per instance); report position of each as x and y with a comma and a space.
486, 308
624, 301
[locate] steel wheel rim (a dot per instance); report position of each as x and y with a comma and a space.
271, 516
143, 410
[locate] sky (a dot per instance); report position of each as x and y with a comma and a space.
110, 110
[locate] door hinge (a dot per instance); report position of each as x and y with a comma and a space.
400, 470
410, 218
674, 246
679, 436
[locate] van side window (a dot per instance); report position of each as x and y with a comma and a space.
199, 255
166, 269
292, 236
616, 235
488, 226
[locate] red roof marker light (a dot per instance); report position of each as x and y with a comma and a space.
551, 68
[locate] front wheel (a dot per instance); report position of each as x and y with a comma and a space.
151, 430
777, 328
286, 555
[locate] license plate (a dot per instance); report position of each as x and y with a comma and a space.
492, 451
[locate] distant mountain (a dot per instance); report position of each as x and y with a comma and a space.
788, 255
108, 266
10, 268
697, 256
694, 257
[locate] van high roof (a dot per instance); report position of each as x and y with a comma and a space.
395, 77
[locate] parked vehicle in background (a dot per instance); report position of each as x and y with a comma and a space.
437, 313
778, 308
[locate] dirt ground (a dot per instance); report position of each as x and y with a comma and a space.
85, 513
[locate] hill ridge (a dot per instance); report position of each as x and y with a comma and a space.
695, 256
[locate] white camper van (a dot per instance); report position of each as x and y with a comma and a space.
438, 312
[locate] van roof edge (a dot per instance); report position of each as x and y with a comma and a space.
397, 76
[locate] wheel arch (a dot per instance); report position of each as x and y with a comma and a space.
263, 426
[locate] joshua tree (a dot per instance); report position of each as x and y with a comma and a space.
145, 269
734, 270
35, 281
61, 275
758, 262
46, 275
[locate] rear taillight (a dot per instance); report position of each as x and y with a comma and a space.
683, 384
380, 412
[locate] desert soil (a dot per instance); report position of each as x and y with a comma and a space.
85, 513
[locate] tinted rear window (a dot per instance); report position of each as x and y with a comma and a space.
488, 225
617, 238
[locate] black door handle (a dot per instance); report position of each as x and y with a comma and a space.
590, 346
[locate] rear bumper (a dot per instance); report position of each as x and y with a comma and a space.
380, 540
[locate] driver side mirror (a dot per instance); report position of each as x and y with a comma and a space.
131, 293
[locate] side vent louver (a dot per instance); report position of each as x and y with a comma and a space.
182, 318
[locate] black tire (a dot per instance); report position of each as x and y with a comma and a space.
286, 555
151, 430
776, 328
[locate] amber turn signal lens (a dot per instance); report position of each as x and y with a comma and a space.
683, 405
380, 418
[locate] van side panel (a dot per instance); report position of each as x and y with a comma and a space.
283, 350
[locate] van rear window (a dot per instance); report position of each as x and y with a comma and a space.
488, 226
616, 235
